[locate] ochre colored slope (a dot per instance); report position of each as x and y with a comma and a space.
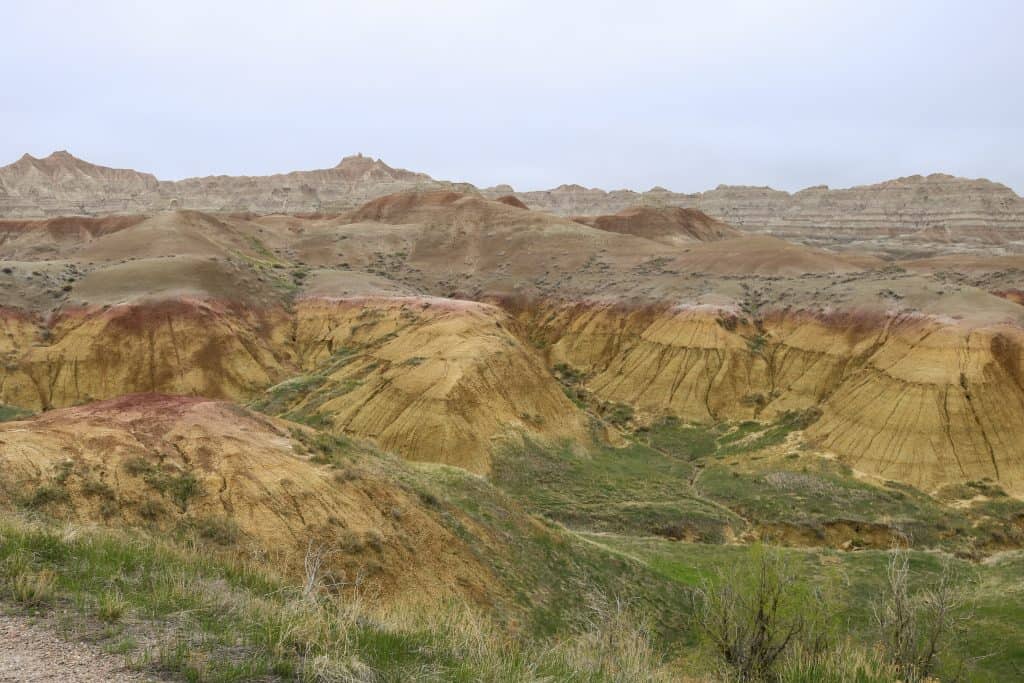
933, 404
176, 463
433, 379
912, 398
184, 347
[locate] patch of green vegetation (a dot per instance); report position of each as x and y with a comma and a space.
46, 495
551, 573
261, 248
757, 343
299, 398
753, 436
179, 487
8, 413
200, 616
618, 414
634, 489
810, 499
94, 488
324, 448
217, 529
279, 397
996, 628
672, 437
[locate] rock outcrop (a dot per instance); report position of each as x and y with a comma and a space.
669, 225
936, 205
61, 184
911, 398
422, 321
921, 210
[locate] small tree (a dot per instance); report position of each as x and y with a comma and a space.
753, 612
918, 628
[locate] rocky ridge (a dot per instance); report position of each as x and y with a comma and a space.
928, 210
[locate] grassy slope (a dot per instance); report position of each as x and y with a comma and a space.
185, 604
175, 610
708, 484
997, 627
694, 482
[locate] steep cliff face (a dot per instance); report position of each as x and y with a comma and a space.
913, 398
183, 347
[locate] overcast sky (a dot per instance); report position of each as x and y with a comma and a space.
685, 95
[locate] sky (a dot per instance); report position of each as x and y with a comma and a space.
685, 95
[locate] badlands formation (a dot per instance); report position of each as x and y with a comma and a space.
922, 214
216, 327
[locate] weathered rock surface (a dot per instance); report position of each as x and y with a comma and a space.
61, 184
910, 398
422, 321
923, 211
928, 208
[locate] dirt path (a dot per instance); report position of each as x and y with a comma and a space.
31, 653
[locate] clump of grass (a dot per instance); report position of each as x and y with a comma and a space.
46, 495
180, 487
111, 607
23, 582
618, 414
218, 529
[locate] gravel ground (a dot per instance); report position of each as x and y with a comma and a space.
31, 652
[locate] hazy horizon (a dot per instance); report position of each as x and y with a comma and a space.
681, 95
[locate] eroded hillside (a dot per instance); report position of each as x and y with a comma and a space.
434, 398
430, 323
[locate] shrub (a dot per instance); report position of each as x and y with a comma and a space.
45, 495
97, 489
755, 613
151, 510
619, 414
917, 628
220, 530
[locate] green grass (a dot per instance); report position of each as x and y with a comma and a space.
742, 468
202, 617
634, 489
299, 398
549, 572
856, 579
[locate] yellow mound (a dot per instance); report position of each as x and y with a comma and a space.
184, 346
918, 399
432, 379
239, 479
